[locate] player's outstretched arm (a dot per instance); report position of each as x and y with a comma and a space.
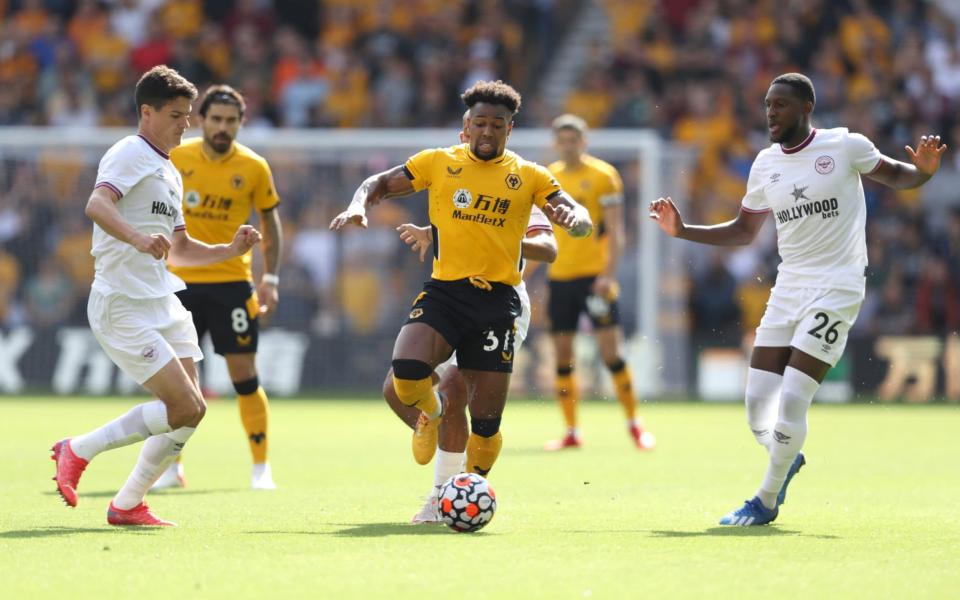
903, 176
569, 214
738, 232
388, 184
102, 209
188, 252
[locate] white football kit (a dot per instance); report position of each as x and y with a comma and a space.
538, 222
816, 196
133, 310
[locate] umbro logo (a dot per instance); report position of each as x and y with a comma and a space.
257, 438
781, 438
481, 472
454, 172
188, 173
506, 356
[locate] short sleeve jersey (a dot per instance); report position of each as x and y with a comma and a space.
479, 210
219, 196
150, 190
816, 196
595, 184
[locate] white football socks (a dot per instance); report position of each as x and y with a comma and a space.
446, 465
762, 399
139, 423
155, 456
789, 433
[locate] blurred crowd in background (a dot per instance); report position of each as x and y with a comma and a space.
694, 70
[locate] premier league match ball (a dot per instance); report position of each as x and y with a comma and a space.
467, 502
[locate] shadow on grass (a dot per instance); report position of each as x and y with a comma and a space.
371, 530
739, 532
57, 531
169, 492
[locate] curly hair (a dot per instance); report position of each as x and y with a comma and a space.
492, 92
221, 94
160, 85
801, 85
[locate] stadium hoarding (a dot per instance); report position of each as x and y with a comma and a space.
68, 361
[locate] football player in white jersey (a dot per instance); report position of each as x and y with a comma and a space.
133, 311
538, 245
809, 180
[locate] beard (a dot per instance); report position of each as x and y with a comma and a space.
786, 133
485, 155
220, 142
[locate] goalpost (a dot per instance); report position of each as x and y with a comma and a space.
324, 166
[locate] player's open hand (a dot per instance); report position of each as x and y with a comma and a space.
269, 297
667, 216
418, 238
246, 238
156, 245
928, 154
348, 217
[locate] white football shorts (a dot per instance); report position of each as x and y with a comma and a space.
522, 324
813, 320
142, 335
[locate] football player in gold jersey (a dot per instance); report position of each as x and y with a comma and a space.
480, 199
224, 182
583, 279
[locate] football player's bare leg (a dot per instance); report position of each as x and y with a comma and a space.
178, 386
176, 413
486, 399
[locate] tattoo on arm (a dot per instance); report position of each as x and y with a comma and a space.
272, 240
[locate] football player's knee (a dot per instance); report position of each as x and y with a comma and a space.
485, 427
411, 379
187, 414
201, 409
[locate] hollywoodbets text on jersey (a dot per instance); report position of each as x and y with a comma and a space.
825, 208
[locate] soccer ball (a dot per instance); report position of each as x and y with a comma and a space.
467, 502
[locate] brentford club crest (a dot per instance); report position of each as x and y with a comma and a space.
824, 164
149, 353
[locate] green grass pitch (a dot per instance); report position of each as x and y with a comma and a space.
873, 515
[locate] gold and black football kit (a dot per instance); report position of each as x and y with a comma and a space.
595, 184
219, 195
479, 211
